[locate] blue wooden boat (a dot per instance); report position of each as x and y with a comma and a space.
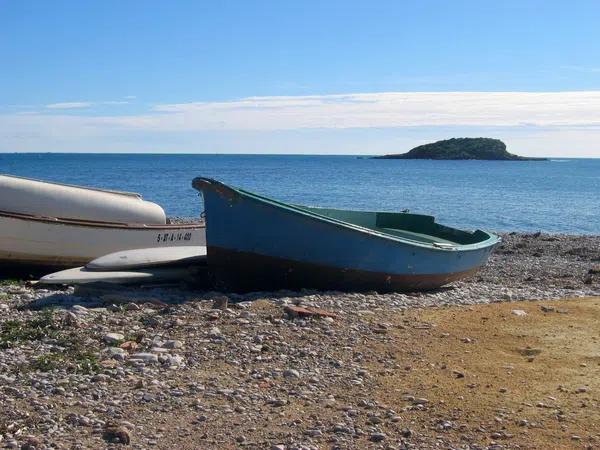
255, 243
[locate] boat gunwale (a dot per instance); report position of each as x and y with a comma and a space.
487, 243
99, 224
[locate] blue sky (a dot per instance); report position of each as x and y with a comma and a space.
298, 77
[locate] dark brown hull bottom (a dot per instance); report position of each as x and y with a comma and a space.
246, 272
21, 269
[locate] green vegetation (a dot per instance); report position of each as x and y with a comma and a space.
14, 331
73, 360
462, 148
68, 351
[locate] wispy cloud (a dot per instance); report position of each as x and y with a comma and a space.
360, 110
375, 110
69, 105
433, 112
84, 105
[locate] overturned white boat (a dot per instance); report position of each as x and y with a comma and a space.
45, 224
139, 266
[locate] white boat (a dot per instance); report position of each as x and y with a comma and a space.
65, 201
149, 257
58, 238
81, 275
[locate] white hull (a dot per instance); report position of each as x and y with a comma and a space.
36, 241
46, 199
149, 257
80, 275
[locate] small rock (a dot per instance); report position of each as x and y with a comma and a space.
71, 320
518, 312
145, 357
117, 435
113, 338
78, 309
377, 437
172, 344
291, 373
129, 345
100, 377
214, 332
314, 433
174, 360
300, 311
220, 302
32, 443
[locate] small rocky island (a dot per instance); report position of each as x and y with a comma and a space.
462, 148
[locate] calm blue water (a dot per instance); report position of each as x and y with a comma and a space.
556, 196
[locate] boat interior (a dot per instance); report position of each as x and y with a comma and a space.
415, 227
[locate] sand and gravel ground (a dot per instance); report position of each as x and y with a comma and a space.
475, 365
493, 374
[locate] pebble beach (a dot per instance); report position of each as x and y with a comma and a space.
178, 367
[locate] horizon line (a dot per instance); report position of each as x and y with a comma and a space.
274, 154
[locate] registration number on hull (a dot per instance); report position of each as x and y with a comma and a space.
173, 237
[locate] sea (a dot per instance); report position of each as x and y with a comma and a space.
555, 196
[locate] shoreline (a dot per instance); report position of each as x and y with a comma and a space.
166, 367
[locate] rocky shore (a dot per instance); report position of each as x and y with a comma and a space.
175, 367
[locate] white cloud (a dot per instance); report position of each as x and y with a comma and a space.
376, 110
541, 117
69, 105
83, 105
388, 109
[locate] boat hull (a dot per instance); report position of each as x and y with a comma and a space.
49, 199
246, 272
36, 244
253, 244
